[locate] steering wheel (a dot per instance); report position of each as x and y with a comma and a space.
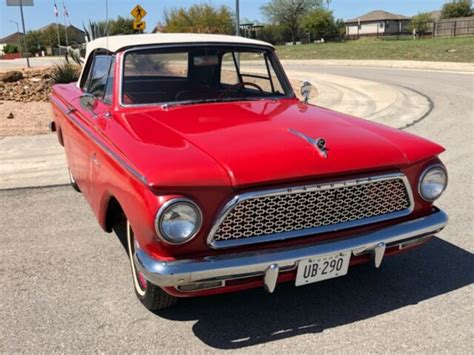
239, 86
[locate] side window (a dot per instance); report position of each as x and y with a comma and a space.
228, 70
277, 88
110, 83
97, 80
257, 69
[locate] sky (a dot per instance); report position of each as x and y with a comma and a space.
80, 11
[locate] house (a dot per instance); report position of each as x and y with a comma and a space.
159, 29
14, 38
376, 23
435, 15
75, 35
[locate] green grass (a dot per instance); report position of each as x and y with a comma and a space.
436, 49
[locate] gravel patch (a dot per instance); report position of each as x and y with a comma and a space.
29, 118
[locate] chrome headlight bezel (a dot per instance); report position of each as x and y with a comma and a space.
165, 208
423, 175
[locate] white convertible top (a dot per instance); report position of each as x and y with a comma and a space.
115, 43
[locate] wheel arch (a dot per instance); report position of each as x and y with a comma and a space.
113, 213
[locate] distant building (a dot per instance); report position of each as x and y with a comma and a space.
376, 23
75, 35
435, 15
14, 39
159, 29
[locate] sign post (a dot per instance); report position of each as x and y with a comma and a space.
22, 3
138, 14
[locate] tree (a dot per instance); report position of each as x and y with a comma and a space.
319, 22
121, 26
34, 41
458, 8
289, 13
274, 34
421, 22
340, 27
201, 18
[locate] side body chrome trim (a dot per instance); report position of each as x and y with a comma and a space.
257, 263
70, 115
304, 232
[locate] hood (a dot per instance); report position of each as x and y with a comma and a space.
255, 142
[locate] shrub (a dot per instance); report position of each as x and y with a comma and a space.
65, 73
457, 8
10, 48
421, 23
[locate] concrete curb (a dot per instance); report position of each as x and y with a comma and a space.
36, 161
462, 68
391, 105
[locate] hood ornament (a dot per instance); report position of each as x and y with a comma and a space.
319, 143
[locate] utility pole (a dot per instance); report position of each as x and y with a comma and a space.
65, 23
24, 32
237, 18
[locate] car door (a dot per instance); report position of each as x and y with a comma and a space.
94, 86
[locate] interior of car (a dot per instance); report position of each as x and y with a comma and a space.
153, 76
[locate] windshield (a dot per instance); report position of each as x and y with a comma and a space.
201, 74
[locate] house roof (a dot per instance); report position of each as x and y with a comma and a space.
378, 15
115, 43
435, 15
11, 38
61, 27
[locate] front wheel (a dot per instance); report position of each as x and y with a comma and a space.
152, 297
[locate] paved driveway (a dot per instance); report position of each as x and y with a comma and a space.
66, 287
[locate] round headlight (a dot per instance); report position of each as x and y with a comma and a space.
433, 181
178, 221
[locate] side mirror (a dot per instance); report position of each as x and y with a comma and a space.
88, 101
306, 88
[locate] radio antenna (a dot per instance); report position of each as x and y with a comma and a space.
107, 24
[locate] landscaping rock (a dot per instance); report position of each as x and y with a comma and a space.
35, 86
12, 76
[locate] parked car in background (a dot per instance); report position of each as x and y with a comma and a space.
223, 180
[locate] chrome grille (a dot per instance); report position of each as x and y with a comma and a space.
279, 214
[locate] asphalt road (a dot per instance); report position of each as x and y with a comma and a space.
66, 285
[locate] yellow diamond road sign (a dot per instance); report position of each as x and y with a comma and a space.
139, 25
138, 12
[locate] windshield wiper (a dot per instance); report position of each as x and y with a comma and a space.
201, 101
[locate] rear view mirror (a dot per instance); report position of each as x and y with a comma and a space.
205, 60
88, 101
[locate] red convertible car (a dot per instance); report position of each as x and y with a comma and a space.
195, 149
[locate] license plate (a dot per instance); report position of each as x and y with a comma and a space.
322, 268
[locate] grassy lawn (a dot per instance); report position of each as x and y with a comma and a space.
405, 49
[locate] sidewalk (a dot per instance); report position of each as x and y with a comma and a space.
29, 161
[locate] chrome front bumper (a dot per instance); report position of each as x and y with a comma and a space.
268, 263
